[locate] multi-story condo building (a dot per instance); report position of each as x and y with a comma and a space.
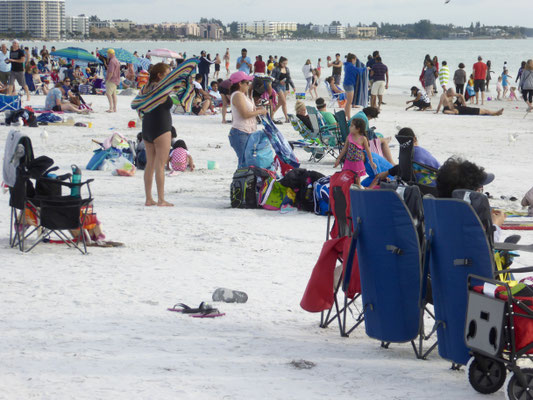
77, 25
43, 19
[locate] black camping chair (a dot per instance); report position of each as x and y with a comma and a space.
413, 173
57, 214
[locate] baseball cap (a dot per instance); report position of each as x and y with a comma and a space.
240, 76
489, 177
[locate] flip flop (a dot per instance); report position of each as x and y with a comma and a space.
229, 296
202, 309
212, 313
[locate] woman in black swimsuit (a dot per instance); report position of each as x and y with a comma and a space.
156, 135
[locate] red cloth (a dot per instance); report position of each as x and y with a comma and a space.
480, 70
344, 179
319, 293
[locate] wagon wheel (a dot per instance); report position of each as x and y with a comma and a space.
515, 390
486, 376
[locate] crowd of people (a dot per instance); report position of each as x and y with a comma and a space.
473, 87
255, 88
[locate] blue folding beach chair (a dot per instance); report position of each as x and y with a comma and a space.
457, 246
9, 103
390, 265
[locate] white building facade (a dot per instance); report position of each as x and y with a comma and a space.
43, 19
77, 25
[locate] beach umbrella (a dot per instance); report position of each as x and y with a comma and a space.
75, 53
122, 55
163, 53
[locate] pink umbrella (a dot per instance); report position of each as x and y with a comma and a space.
163, 53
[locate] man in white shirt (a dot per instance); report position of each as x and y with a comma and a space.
5, 68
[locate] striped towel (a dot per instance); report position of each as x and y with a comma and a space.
444, 75
146, 102
375, 147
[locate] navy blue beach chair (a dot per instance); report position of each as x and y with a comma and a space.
457, 246
390, 265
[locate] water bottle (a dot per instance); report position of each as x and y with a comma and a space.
76, 178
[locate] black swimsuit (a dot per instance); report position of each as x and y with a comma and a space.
157, 121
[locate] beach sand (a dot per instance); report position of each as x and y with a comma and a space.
96, 326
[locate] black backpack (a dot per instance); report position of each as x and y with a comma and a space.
244, 187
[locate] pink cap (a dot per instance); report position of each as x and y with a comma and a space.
239, 76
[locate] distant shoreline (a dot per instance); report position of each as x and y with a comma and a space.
262, 40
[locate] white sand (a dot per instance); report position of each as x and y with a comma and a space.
96, 326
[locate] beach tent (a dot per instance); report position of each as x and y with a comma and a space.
122, 55
75, 53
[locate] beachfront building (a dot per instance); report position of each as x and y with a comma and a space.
337, 30
266, 28
101, 24
361, 31
211, 31
123, 24
41, 19
320, 29
182, 28
77, 26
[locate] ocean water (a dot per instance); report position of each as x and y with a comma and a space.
403, 57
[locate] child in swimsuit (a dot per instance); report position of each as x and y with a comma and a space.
180, 159
354, 149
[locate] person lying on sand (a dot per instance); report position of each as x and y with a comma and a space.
458, 107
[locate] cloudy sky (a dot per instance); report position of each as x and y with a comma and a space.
458, 12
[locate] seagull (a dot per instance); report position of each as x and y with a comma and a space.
447, 1
513, 137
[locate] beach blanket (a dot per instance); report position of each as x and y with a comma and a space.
146, 102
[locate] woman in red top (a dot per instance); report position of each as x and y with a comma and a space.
259, 65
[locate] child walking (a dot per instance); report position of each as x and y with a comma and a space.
499, 88
180, 158
354, 150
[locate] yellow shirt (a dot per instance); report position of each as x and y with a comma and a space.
270, 66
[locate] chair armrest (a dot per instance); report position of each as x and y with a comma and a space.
513, 270
513, 247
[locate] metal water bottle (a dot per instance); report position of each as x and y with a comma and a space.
76, 178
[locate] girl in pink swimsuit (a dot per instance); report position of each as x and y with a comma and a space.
354, 149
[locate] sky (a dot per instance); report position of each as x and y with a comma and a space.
457, 12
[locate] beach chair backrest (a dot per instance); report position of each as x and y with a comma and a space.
389, 257
301, 128
456, 247
344, 129
330, 92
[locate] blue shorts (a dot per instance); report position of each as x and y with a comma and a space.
348, 88
279, 88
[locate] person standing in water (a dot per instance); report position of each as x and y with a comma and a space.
227, 60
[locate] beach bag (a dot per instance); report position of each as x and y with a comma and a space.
245, 186
100, 155
272, 194
258, 152
301, 181
321, 196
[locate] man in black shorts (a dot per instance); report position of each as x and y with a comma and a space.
336, 68
17, 57
458, 107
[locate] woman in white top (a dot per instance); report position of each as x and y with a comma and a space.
307, 70
244, 114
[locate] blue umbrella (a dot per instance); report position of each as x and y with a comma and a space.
75, 53
121, 55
